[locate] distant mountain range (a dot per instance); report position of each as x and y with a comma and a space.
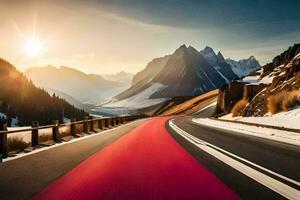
22, 101
186, 73
243, 67
122, 77
77, 87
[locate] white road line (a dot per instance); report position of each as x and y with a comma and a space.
244, 160
273, 184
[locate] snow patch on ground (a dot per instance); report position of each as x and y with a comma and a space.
267, 133
289, 119
251, 79
267, 79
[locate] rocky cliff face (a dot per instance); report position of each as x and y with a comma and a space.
281, 75
284, 71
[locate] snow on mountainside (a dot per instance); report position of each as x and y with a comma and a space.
243, 67
141, 99
132, 104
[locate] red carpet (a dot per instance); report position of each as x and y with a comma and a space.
147, 163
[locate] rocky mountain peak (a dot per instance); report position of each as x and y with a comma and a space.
209, 53
181, 50
220, 56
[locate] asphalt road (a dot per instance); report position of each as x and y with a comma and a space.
147, 163
158, 159
282, 161
24, 177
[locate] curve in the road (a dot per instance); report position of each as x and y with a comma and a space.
147, 163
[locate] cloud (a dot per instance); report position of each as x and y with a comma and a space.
154, 28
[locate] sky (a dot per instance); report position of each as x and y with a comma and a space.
106, 37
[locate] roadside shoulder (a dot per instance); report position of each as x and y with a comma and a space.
258, 130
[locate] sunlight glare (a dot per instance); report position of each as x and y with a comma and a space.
33, 47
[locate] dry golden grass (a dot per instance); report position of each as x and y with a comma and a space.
283, 101
193, 104
238, 107
16, 143
274, 102
291, 100
45, 137
64, 131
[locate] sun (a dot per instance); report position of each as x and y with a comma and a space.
33, 47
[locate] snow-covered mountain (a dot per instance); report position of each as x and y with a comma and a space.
185, 73
244, 67
84, 88
219, 63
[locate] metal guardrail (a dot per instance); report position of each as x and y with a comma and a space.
90, 125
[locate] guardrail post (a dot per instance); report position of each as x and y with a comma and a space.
73, 127
109, 122
106, 123
100, 124
55, 130
35, 133
113, 121
86, 125
117, 121
3, 139
92, 123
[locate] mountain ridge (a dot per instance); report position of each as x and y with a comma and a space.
84, 88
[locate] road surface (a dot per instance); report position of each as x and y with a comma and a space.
253, 167
157, 159
24, 177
